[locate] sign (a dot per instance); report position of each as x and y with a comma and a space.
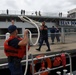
67, 23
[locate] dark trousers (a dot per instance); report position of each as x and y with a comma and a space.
58, 37
15, 67
52, 37
42, 39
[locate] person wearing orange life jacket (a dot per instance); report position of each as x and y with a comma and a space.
15, 49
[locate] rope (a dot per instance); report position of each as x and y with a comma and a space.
35, 24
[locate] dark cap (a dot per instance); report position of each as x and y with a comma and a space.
12, 28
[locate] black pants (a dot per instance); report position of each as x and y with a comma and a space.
52, 37
42, 39
15, 66
58, 37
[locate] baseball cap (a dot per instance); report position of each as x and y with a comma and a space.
12, 28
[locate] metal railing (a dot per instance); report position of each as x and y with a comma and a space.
18, 12
50, 69
66, 37
49, 56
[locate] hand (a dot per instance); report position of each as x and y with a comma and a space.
26, 32
42, 27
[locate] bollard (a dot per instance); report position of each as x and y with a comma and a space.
64, 72
7, 35
69, 74
58, 72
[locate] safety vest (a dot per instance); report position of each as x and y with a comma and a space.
11, 51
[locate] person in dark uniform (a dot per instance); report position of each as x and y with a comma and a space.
52, 34
12, 21
44, 36
15, 49
7, 11
57, 34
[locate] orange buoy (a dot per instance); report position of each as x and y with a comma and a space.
42, 65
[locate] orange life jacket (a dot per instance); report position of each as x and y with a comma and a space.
11, 51
57, 61
63, 57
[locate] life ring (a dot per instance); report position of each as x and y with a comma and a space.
42, 65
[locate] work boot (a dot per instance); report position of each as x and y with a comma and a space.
38, 49
52, 43
48, 50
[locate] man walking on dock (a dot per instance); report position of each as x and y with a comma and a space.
44, 36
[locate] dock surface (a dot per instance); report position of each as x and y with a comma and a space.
54, 48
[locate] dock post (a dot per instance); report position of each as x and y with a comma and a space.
62, 35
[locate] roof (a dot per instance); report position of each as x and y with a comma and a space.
3, 17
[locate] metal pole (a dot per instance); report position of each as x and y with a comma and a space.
62, 35
70, 60
32, 65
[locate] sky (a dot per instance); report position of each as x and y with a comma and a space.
53, 6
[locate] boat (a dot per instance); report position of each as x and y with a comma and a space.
57, 57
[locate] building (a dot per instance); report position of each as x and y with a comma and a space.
5, 21
72, 13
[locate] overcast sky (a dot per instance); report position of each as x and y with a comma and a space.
42, 5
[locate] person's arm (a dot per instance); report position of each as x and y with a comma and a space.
24, 41
45, 28
41, 28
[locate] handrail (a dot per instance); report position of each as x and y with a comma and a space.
32, 13
36, 58
32, 59
50, 69
70, 64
